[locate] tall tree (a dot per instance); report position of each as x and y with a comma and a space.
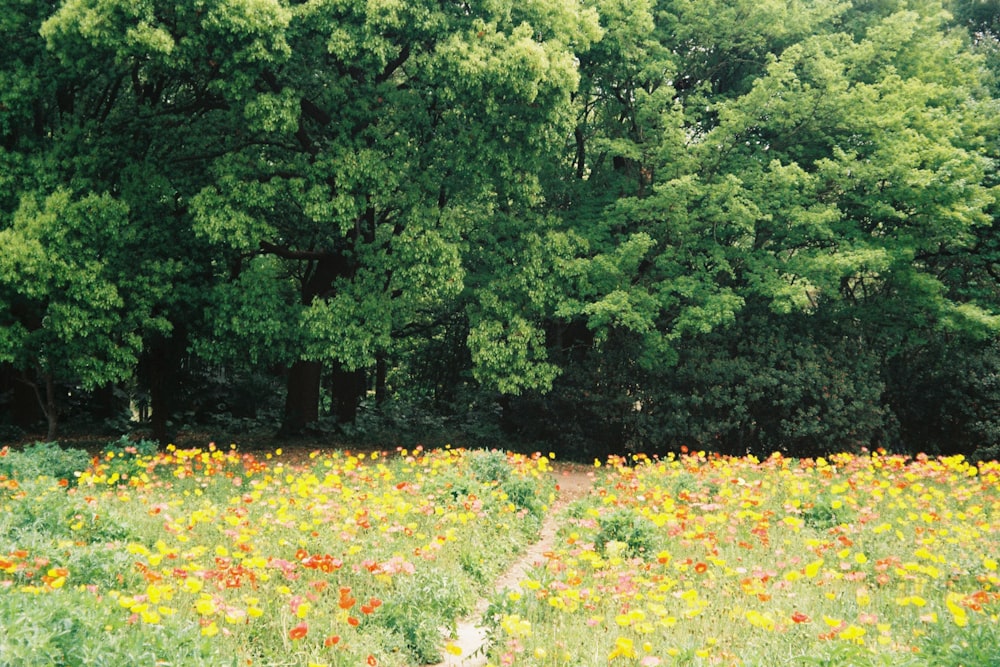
66, 319
340, 155
827, 164
379, 138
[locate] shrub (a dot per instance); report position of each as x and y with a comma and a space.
769, 383
622, 526
490, 466
43, 459
420, 607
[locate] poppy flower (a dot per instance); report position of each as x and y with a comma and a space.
346, 600
299, 631
373, 604
799, 617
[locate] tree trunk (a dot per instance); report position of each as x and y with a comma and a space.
302, 399
381, 371
159, 369
46, 403
161, 389
24, 409
51, 409
347, 390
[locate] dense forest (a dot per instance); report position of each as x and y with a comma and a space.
589, 225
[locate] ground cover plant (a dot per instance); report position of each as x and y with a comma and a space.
870, 559
211, 556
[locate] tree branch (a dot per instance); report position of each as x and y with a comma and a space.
287, 253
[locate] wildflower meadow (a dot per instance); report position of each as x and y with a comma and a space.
856, 560
212, 556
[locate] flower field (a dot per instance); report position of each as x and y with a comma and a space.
700, 560
218, 557
215, 557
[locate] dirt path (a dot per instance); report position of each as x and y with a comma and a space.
572, 482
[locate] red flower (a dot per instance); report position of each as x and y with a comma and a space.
331, 641
299, 631
700, 568
371, 660
799, 617
353, 622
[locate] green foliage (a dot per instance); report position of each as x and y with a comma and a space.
44, 460
945, 396
420, 606
850, 655
490, 466
526, 494
636, 533
774, 383
971, 646
823, 514
81, 629
57, 274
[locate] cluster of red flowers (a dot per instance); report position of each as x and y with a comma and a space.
323, 563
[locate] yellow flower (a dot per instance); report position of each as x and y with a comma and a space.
624, 648
852, 633
958, 613
760, 620
205, 606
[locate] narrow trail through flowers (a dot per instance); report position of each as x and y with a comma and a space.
573, 481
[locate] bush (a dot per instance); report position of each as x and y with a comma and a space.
795, 383
622, 526
78, 628
490, 466
420, 607
769, 383
44, 459
946, 394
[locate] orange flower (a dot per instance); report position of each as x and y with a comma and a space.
371, 660
700, 568
373, 604
346, 601
353, 622
331, 641
299, 631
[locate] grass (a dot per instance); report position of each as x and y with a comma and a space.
701, 560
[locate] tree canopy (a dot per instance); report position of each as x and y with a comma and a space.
739, 225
